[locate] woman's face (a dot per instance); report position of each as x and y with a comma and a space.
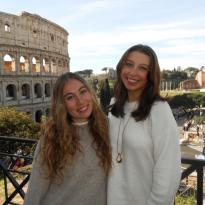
134, 74
78, 100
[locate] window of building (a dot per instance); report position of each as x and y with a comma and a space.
10, 92
25, 91
47, 90
52, 37
37, 90
7, 28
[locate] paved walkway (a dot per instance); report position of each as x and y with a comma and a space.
188, 148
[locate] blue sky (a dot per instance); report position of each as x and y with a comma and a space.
101, 30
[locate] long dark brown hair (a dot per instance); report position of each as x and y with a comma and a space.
60, 136
151, 91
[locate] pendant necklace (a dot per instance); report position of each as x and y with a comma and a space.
119, 145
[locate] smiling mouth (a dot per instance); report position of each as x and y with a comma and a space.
83, 109
131, 80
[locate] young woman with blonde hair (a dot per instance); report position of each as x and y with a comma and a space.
73, 157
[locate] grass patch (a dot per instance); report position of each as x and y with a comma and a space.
171, 93
185, 200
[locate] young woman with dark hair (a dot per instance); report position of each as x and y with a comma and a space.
144, 135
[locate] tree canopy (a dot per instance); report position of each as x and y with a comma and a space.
87, 72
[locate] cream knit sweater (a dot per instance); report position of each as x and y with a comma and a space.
151, 167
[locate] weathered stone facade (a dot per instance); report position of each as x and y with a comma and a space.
200, 77
189, 84
197, 83
33, 53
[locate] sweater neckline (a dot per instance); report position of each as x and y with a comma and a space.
80, 123
130, 106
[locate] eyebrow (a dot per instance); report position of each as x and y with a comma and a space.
133, 62
144, 64
70, 93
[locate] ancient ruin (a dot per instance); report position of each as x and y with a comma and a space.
33, 53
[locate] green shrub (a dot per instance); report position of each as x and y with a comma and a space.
198, 98
184, 100
18, 124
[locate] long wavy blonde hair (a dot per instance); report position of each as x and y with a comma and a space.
60, 135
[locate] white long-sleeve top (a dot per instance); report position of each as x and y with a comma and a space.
151, 166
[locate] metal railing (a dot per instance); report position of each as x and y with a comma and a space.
13, 148
15, 153
198, 166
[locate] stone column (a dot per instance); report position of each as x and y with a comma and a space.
30, 64
49, 65
41, 65
17, 64
1, 63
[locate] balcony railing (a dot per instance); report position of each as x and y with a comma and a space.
198, 166
14, 154
12, 149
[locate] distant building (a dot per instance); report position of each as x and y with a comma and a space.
197, 83
200, 77
189, 84
33, 53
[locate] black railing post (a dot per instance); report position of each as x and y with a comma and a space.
199, 195
195, 165
5, 186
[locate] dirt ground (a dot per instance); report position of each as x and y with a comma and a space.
17, 199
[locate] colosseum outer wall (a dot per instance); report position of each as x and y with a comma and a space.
33, 53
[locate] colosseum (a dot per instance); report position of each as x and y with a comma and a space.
33, 53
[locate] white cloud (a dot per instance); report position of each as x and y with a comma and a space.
175, 43
110, 39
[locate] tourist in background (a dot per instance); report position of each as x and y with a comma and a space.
105, 95
144, 135
73, 157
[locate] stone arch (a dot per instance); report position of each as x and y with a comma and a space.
60, 63
65, 65
7, 27
24, 64
46, 65
52, 37
47, 90
60, 66
36, 68
35, 32
38, 115
25, 91
9, 63
53, 66
11, 92
37, 90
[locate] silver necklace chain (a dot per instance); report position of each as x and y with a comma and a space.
120, 146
